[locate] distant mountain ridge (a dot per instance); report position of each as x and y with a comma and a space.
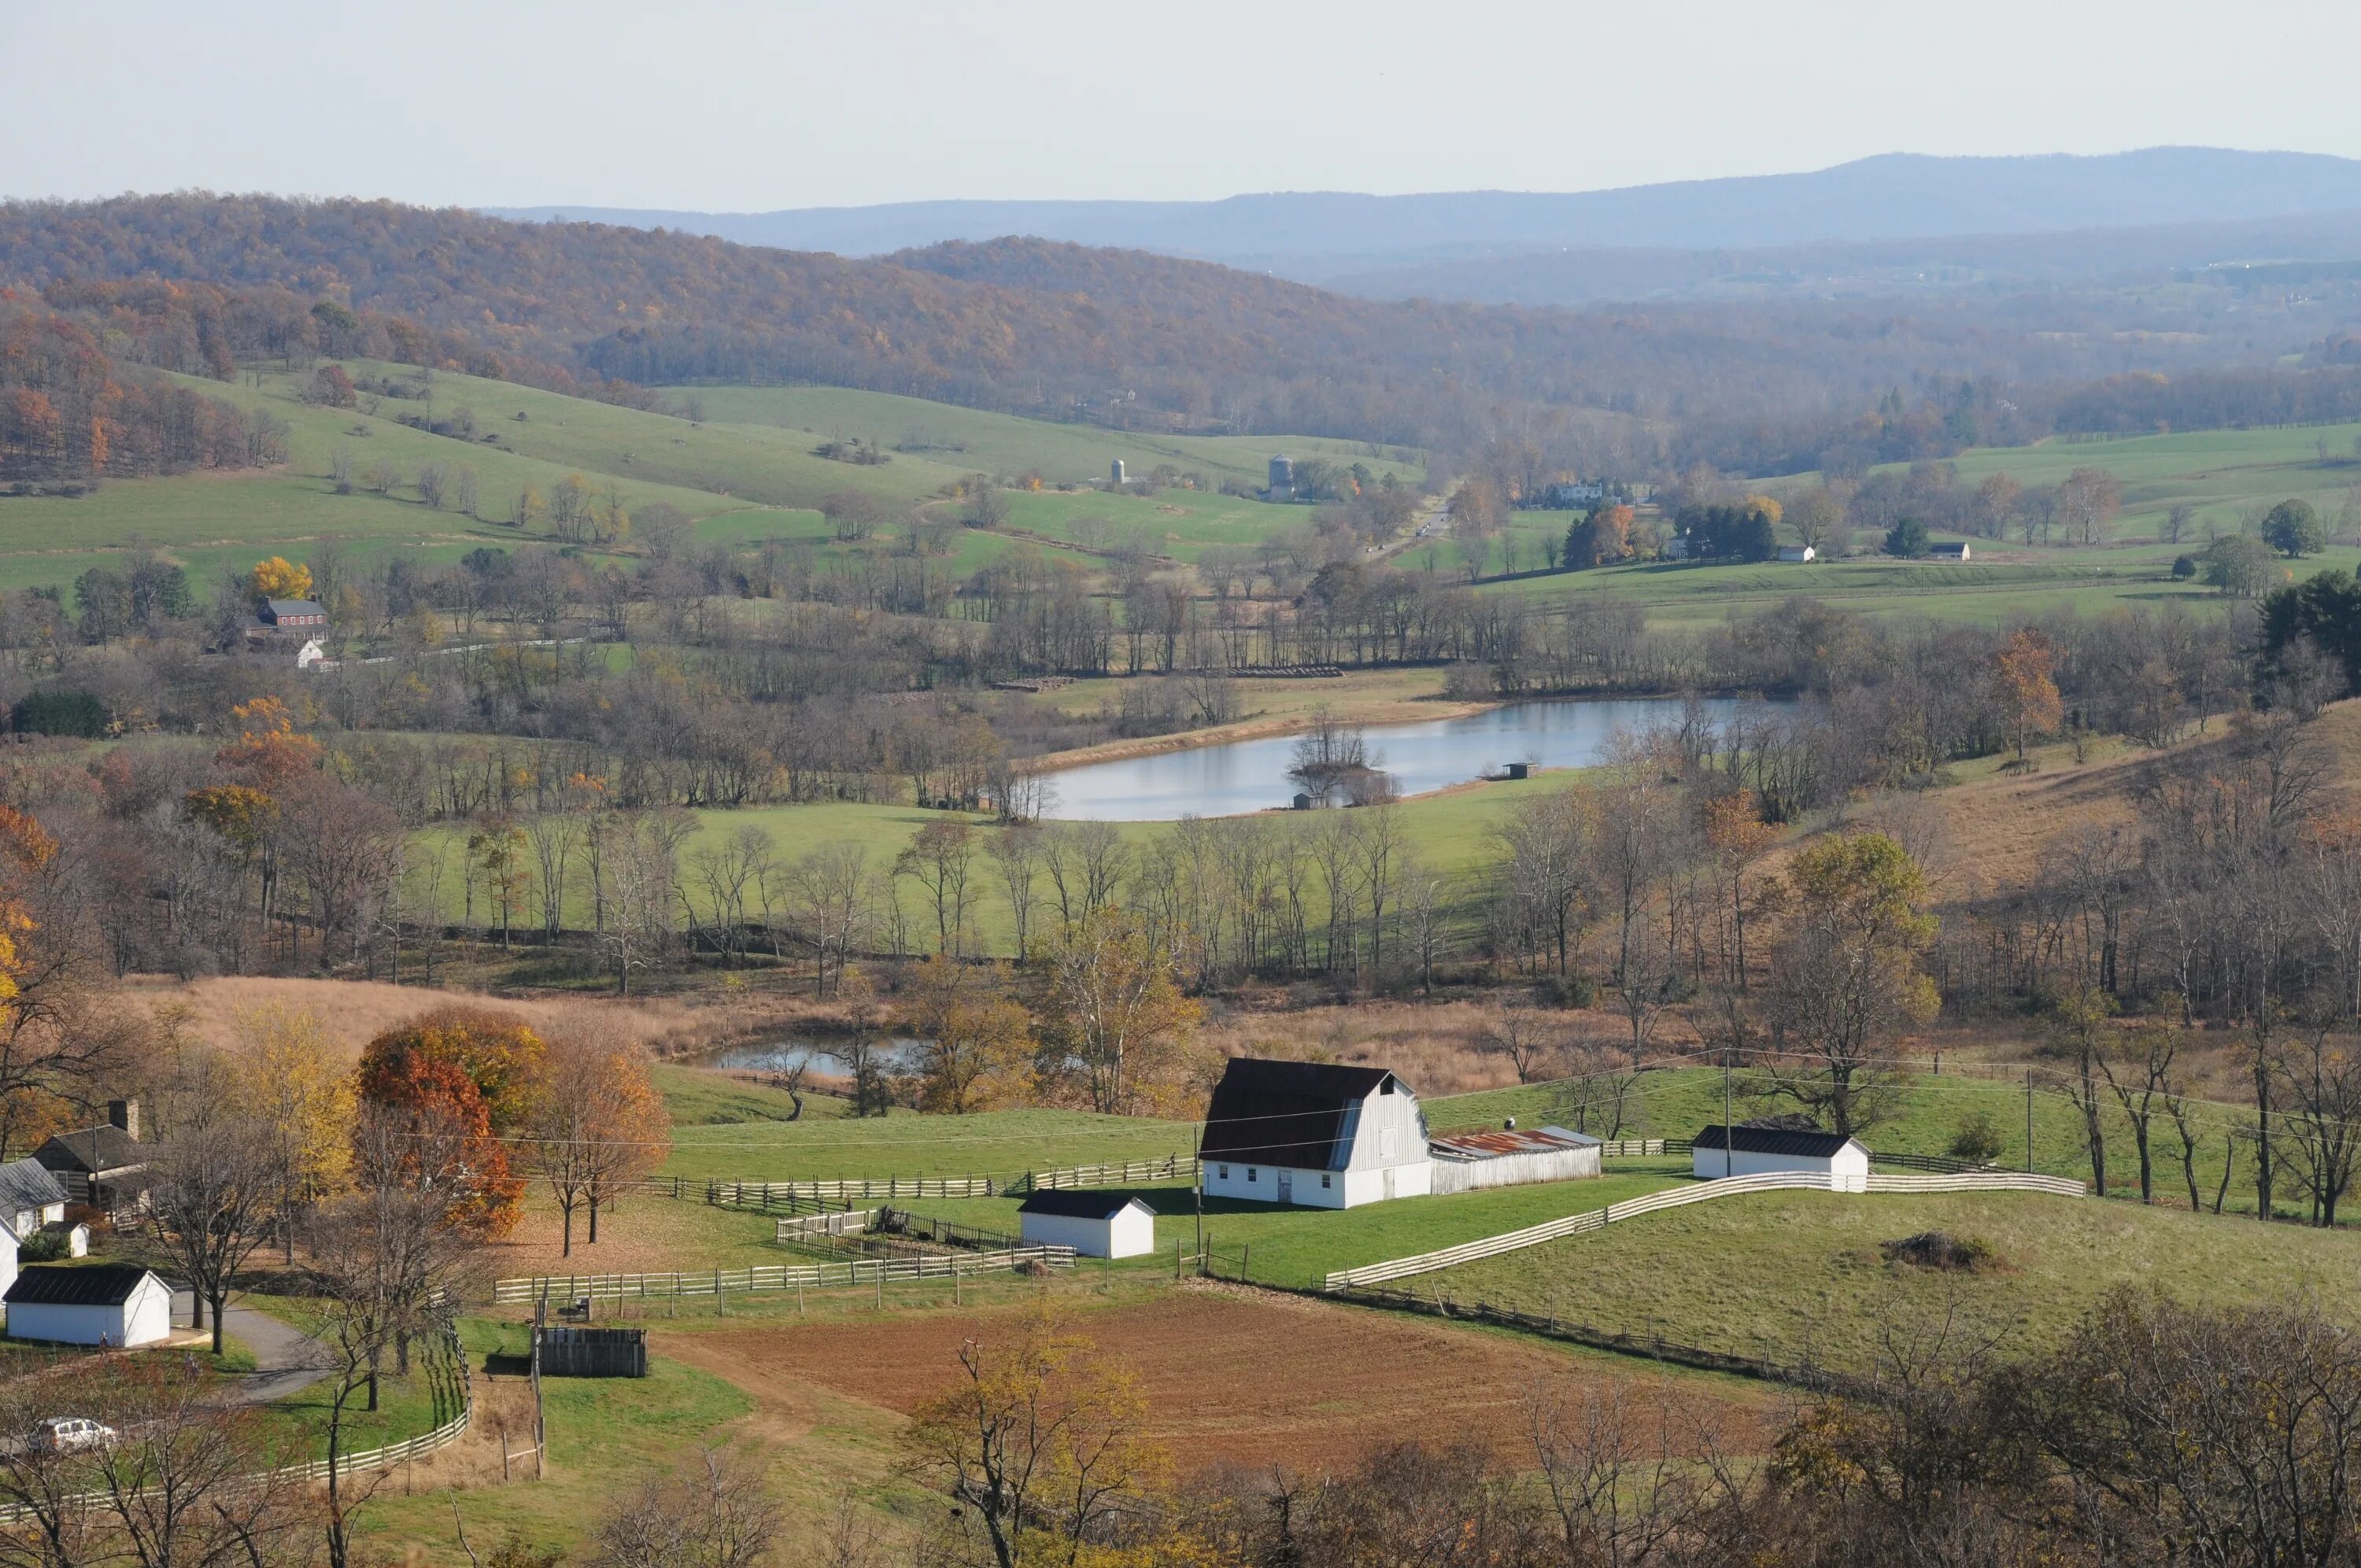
1315, 235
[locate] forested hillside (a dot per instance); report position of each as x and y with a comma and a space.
1153, 344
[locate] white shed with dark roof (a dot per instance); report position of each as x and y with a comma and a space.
115, 1304
1314, 1134
1756, 1148
1095, 1224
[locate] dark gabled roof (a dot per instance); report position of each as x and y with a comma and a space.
1080, 1205
28, 1184
91, 1150
75, 1285
1286, 1113
281, 608
1746, 1139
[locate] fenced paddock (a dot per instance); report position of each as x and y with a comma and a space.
813, 1227
803, 1195
569, 1351
1692, 1192
768, 1278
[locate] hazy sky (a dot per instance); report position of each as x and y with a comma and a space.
754, 106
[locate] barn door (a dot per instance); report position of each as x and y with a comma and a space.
1287, 1187
1390, 1181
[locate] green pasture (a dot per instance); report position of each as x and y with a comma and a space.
1799, 1275
973, 440
1179, 525
1286, 1245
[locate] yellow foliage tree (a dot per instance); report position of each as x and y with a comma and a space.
293, 1080
279, 578
2027, 694
1113, 1013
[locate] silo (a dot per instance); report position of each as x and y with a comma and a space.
1114, 474
1282, 478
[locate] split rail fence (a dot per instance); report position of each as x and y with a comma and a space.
1678, 1196
763, 1278
813, 1196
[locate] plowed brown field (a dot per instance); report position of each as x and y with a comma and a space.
1245, 1378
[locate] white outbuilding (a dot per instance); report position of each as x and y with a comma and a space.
1095, 1224
1755, 1150
99, 1303
1315, 1135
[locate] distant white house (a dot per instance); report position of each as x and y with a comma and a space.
115, 1304
1754, 1149
1947, 552
1095, 1224
1314, 1134
1793, 553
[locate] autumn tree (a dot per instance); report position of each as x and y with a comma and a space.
940, 858
469, 1073
1736, 836
1038, 1440
2294, 528
278, 578
304, 1101
214, 1181
977, 1041
2024, 688
1846, 980
2087, 503
1112, 1013
597, 1124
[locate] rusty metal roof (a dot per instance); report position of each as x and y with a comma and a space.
1492, 1145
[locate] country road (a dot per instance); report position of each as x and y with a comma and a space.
286, 1360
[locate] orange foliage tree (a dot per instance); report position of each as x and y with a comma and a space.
2023, 684
473, 1073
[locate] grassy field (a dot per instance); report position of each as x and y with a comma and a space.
974, 439
1298, 1247
1798, 1275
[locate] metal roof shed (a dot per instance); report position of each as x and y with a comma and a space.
1094, 1224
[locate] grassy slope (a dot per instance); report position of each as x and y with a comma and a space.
972, 439
1795, 1275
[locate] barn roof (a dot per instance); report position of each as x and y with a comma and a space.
1492, 1145
1287, 1112
93, 1150
76, 1285
285, 608
1748, 1139
1080, 1205
28, 1184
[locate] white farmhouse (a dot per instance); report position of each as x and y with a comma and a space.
113, 1304
31, 1196
1314, 1134
1754, 1149
1095, 1224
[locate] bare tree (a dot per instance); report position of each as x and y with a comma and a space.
716, 1514
217, 1183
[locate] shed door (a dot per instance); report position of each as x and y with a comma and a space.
1287, 1187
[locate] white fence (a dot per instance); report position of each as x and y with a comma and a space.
895, 1189
777, 1276
835, 1223
1676, 1197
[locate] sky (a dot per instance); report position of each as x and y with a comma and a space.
751, 108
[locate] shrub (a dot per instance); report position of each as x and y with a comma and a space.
1936, 1250
44, 1247
1977, 1140
2183, 568
1907, 539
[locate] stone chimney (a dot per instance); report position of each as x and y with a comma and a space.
125, 1114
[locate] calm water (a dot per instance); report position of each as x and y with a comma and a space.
1250, 776
778, 1056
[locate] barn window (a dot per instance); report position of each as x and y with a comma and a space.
1250, 1173
1225, 1173
1324, 1181
1386, 1143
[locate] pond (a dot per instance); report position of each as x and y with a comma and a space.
780, 1055
1251, 775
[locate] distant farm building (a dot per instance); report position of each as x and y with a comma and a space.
1947, 552
1114, 474
1464, 1162
1095, 1224
30, 1198
285, 614
1282, 479
1677, 548
1797, 553
115, 1304
1314, 1134
104, 1167
1756, 1148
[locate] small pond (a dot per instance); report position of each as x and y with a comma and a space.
1251, 775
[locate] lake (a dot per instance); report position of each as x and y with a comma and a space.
1251, 775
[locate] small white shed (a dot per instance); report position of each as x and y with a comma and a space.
1759, 1150
1095, 1224
100, 1303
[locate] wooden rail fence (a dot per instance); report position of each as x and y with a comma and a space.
764, 1277
1678, 1196
805, 1194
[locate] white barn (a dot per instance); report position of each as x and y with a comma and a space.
1095, 1224
99, 1303
1753, 1149
1314, 1135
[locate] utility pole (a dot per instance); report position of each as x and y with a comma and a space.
1197, 1191
1729, 1156
2028, 1121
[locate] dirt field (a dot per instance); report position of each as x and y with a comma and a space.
1233, 1376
